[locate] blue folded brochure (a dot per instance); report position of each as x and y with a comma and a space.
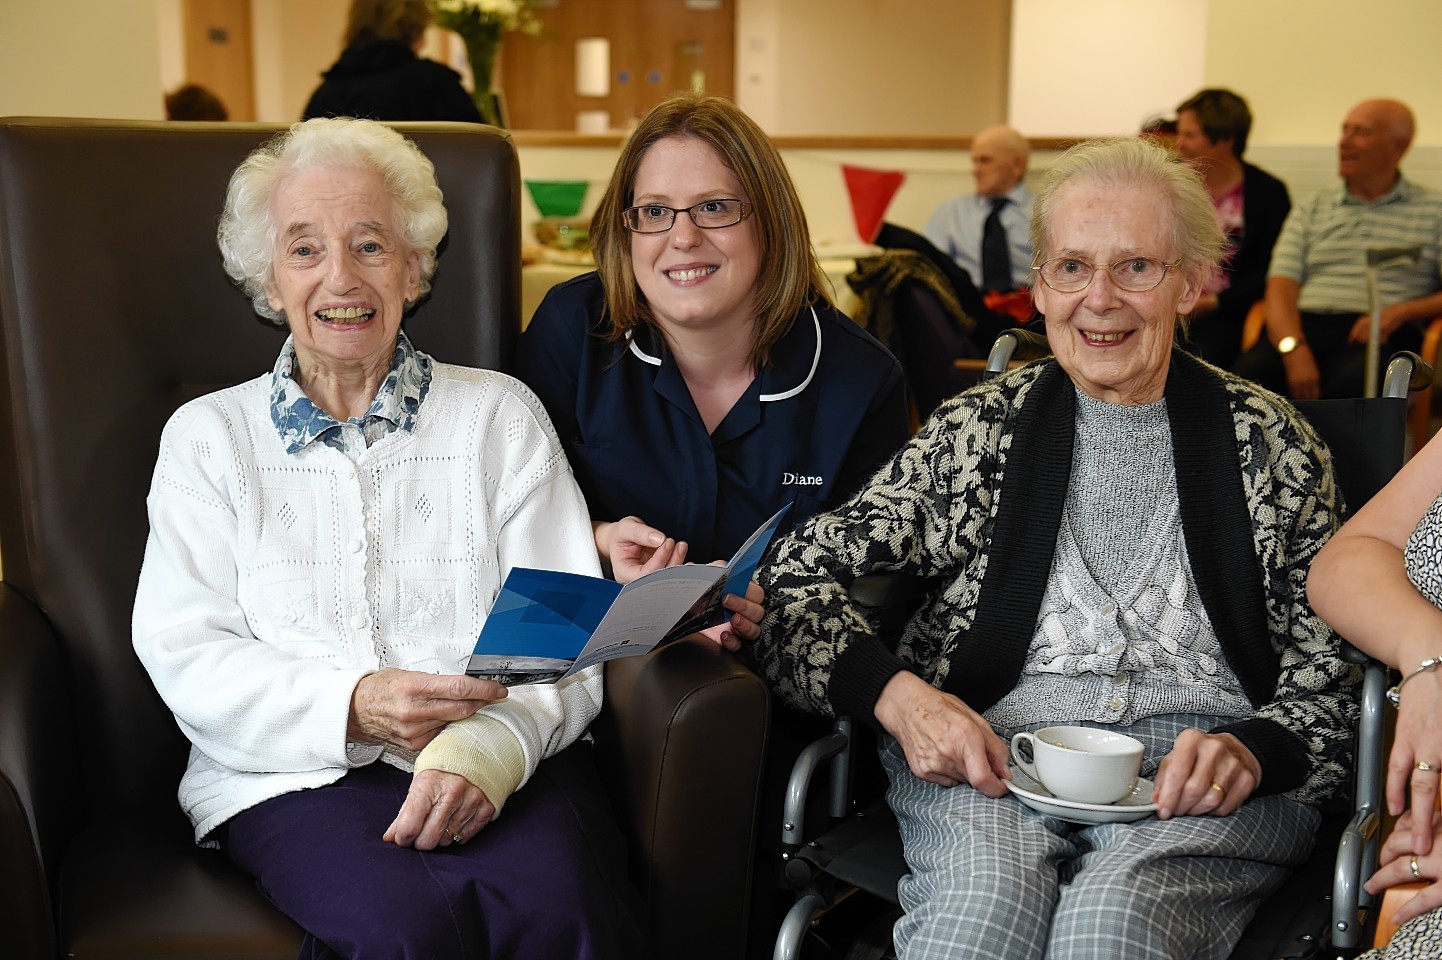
546, 625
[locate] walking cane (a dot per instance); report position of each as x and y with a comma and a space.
1377, 259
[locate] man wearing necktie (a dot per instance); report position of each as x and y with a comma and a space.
995, 255
986, 232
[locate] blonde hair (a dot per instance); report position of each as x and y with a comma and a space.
789, 277
400, 20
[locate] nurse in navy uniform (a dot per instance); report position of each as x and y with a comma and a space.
701, 377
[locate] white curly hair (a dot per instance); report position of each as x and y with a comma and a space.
247, 235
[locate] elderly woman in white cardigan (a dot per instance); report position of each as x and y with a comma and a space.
326, 541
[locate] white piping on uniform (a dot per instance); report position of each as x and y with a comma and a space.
631, 337
765, 397
815, 362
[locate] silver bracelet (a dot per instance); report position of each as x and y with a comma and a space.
1426, 666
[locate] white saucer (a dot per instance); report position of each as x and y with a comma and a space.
1135, 806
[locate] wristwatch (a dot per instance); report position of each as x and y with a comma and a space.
1287, 344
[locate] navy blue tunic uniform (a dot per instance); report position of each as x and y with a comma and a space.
826, 409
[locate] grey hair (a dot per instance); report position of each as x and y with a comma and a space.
1137, 163
247, 235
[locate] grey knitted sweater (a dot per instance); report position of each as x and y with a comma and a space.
1122, 633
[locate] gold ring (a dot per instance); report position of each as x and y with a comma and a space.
1425, 767
1220, 789
1412, 865
457, 838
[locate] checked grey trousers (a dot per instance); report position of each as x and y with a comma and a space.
994, 879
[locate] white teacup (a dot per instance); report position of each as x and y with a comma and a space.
1081, 764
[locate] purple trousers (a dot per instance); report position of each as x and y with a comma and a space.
547, 880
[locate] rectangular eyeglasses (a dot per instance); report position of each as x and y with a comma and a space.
708, 215
1133, 274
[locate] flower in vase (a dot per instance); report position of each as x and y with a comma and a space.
485, 17
480, 23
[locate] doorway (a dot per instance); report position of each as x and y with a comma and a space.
218, 52
657, 48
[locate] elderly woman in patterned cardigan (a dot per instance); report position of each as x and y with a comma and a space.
1120, 538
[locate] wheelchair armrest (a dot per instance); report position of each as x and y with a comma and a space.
803, 772
1406, 373
1357, 850
1347, 890
35, 739
1012, 345
1352, 655
680, 742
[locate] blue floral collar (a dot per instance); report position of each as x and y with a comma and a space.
300, 422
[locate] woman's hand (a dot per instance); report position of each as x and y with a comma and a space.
1417, 740
1396, 865
1206, 773
745, 623
629, 549
440, 809
408, 709
945, 741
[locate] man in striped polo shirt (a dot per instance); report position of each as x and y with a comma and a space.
1317, 308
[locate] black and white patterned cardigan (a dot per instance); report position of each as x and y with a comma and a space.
975, 500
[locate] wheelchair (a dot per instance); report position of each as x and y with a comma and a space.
1322, 912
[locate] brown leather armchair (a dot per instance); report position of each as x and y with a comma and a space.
114, 310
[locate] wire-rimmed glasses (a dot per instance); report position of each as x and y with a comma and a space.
708, 215
1133, 274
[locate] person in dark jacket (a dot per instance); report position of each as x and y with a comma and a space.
1251, 204
380, 77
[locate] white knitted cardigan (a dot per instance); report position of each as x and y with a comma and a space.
274, 582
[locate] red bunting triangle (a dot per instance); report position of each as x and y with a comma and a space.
871, 192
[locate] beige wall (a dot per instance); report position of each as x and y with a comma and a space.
93, 58
802, 64
873, 67
1064, 76
1303, 63
294, 42
114, 58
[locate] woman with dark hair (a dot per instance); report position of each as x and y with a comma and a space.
1251, 205
380, 77
194, 102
